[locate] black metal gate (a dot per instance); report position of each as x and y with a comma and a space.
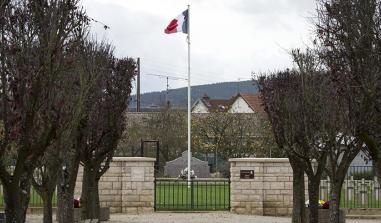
198, 195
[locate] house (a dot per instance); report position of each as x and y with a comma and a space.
241, 103
207, 105
246, 103
362, 160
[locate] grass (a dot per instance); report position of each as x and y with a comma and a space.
355, 202
176, 195
35, 199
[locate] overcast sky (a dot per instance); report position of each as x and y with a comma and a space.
229, 38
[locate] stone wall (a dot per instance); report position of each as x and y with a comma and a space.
127, 187
269, 193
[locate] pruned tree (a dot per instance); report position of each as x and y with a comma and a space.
44, 179
99, 78
294, 101
103, 128
35, 40
277, 98
90, 62
348, 37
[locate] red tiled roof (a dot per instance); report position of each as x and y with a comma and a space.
254, 101
216, 105
223, 105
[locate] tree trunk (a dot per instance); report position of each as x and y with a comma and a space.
48, 206
65, 191
16, 199
46, 191
90, 194
298, 188
334, 204
313, 196
13, 210
337, 181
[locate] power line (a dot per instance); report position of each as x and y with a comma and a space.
196, 70
167, 76
195, 76
104, 25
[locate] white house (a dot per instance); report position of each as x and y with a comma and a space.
246, 103
199, 107
241, 103
207, 105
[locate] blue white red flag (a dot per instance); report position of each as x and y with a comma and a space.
179, 24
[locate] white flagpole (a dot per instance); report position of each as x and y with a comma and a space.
189, 102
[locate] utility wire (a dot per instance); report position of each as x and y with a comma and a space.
167, 76
104, 25
196, 71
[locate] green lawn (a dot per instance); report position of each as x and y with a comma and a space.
206, 196
356, 203
35, 199
175, 195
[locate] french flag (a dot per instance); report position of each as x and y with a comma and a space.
179, 24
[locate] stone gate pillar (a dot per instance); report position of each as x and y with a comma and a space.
127, 186
267, 192
138, 185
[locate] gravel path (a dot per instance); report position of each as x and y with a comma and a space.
212, 217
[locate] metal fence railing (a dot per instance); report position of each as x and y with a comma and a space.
360, 189
200, 195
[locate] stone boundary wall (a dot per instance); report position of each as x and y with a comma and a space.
127, 187
269, 193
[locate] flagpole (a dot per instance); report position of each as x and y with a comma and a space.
189, 102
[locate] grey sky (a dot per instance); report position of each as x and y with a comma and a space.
229, 38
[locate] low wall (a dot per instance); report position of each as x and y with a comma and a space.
127, 187
268, 193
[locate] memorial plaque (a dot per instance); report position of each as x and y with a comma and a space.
247, 174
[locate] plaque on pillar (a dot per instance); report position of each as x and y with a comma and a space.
247, 174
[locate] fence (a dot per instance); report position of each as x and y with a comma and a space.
360, 189
35, 199
201, 195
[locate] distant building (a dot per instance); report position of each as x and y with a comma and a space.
362, 160
246, 103
241, 103
207, 105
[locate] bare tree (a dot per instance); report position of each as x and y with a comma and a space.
104, 127
234, 135
294, 101
44, 180
94, 62
168, 126
35, 39
275, 95
348, 37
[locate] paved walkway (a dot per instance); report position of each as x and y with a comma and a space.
213, 217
